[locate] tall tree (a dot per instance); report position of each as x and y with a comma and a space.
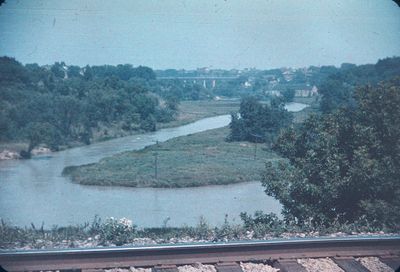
344, 165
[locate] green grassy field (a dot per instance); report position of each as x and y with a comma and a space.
195, 160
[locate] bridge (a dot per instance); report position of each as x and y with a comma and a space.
206, 81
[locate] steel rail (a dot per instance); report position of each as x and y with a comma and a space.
148, 256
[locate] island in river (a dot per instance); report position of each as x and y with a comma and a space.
199, 159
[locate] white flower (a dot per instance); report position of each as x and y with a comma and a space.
126, 222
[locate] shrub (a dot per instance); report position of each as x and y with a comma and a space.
116, 231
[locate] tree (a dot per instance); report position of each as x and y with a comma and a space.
87, 73
343, 166
57, 69
288, 94
257, 122
40, 133
74, 71
335, 94
11, 71
144, 72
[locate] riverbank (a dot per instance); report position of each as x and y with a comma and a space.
188, 112
199, 159
12, 151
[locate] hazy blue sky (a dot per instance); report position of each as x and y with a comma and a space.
200, 33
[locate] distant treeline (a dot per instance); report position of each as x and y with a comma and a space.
59, 104
338, 88
264, 83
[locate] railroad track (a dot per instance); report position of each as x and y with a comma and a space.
282, 254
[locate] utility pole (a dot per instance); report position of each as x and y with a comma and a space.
156, 165
256, 137
255, 151
156, 162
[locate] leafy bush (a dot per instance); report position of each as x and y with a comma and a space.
116, 231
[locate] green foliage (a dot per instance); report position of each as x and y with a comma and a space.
335, 93
262, 223
41, 132
338, 88
288, 95
258, 122
116, 231
343, 166
64, 104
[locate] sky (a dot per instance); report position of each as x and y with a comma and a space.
188, 34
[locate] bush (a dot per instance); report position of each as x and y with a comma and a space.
116, 231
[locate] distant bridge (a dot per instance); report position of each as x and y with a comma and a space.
199, 77
206, 81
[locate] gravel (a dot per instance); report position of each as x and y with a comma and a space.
374, 264
132, 269
197, 267
320, 264
257, 267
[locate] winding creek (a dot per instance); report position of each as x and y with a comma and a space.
33, 191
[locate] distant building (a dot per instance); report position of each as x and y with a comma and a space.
307, 91
273, 93
247, 84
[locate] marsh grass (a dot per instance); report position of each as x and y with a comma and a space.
195, 160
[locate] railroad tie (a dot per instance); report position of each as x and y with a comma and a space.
349, 264
289, 266
228, 267
391, 261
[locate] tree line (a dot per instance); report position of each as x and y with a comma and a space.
58, 104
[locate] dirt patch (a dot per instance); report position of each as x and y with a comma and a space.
9, 155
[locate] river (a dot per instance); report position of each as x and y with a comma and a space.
33, 191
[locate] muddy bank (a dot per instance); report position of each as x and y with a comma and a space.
8, 154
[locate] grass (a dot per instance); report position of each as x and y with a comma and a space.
115, 232
190, 111
195, 160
